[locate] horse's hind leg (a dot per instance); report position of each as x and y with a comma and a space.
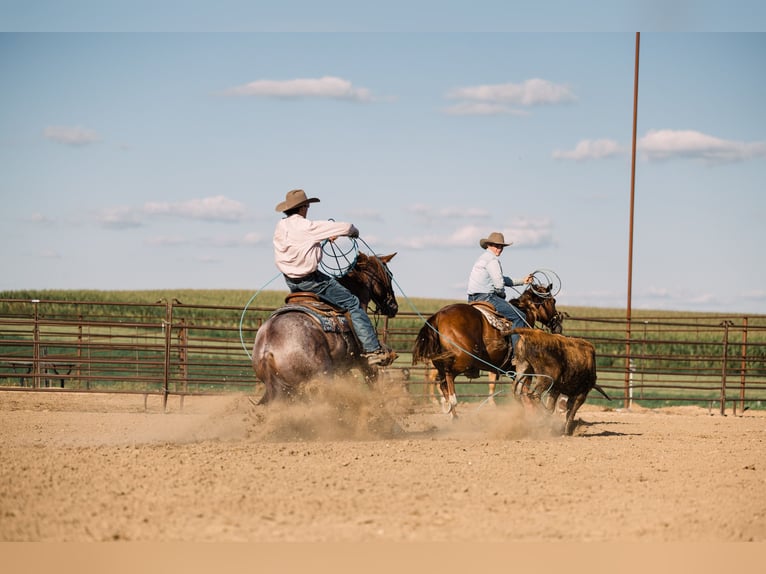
444, 399
449, 404
493, 378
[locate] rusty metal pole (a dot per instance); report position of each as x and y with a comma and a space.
726, 325
36, 346
78, 371
183, 355
168, 328
630, 236
743, 368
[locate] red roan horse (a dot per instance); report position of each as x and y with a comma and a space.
302, 342
459, 340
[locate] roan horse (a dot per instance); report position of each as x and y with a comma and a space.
460, 340
307, 339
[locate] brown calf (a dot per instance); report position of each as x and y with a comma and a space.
555, 365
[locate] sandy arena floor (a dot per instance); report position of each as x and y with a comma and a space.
77, 467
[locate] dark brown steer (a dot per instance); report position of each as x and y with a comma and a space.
555, 365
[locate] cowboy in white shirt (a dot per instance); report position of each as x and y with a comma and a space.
297, 253
487, 282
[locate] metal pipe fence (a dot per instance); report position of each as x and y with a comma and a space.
169, 348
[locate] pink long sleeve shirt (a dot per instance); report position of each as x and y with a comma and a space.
297, 243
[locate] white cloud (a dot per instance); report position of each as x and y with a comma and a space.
324, 87
217, 208
73, 136
590, 149
208, 259
40, 218
166, 241
367, 214
493, 99
482, 109
530, 233
454, 212
247, 240
669, 144
119, 218
254, 238
430, 213
49, 254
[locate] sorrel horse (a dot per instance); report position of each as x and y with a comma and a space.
459, 339
306, 339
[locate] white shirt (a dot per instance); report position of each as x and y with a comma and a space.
297, 243
487, 275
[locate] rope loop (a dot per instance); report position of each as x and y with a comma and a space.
339, 256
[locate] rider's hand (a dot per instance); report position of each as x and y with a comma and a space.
529, 278
354, 232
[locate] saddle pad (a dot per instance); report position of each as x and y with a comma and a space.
493, 317
330, 319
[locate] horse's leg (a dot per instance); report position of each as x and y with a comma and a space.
444, 399
451, 395
493, 377
370, 373
431, 380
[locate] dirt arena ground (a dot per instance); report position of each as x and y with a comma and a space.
360, 466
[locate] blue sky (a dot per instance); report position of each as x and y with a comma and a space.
155, 160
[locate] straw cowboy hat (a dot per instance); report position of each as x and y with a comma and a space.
495, 238
295, 198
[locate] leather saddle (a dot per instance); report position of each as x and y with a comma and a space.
493, 317
330, 318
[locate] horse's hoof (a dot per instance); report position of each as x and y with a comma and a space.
446, 406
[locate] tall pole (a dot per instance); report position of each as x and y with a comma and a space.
630, 238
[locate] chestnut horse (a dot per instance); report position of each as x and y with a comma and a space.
460, 340
302, 342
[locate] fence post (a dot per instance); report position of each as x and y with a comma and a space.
36, 347
743, 368
726, 325
168, 328
183, 353
78, 372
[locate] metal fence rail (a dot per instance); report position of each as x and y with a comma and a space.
169, 348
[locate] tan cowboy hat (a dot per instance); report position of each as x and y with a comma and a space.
495, 238
295, 198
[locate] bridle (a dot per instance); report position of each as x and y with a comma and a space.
388, 306
540, 301
373, 281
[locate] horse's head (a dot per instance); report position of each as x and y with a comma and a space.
544, 306
370, 280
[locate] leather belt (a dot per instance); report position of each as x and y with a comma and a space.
312, 275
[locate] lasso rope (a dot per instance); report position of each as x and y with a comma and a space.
242, 317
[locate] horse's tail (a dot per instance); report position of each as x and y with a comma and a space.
267, 370
427, 344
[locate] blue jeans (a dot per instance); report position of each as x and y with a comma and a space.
332, 292
513, 314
